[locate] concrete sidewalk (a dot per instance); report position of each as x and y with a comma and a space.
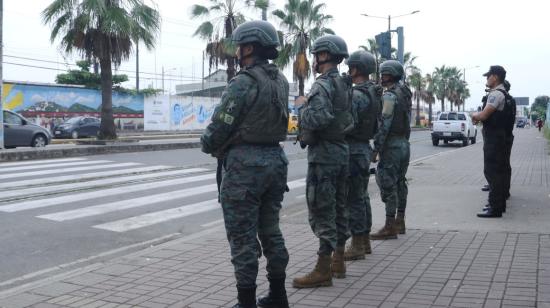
448, 258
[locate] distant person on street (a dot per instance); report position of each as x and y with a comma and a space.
540, 124
497, 108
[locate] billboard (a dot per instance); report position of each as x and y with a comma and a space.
178, 112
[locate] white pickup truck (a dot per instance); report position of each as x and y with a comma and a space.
451, 126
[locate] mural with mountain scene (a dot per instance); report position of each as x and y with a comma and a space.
45, 98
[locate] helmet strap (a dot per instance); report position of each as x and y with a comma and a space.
319, 63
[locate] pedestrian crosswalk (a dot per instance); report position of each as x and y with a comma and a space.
108, 195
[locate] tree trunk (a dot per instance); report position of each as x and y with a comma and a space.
451, 103
231, 61
442, 104
430, 115
417, 110
301, 86
107, 130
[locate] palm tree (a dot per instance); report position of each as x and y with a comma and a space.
223, 17
303, 22
441, 78
418, 84
103, 30
408, 64
428, 95
373, 49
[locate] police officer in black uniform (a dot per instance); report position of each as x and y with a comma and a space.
495, 114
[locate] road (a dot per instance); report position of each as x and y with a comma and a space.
61, 214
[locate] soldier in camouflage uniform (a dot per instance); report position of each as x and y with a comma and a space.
366, 106
324, 122
392, 144
246, 129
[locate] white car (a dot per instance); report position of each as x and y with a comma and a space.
451, 126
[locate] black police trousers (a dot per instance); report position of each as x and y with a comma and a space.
494, 159
509, 143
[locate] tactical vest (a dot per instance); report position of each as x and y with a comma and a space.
501, 119
266, 120
367, 119
341, 106
401, 124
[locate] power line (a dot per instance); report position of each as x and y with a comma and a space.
70, 64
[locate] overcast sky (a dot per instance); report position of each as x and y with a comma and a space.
465, 34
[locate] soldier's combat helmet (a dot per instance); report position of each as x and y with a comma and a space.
393, 68
257, 31
363, 60
332, 44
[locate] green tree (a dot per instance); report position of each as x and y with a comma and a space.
103, 30
222, 17
428, 96
538, 109
84, 77
418, 84
303, 22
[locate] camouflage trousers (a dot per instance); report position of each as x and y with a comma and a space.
391, 172
360, 218
253, 185
326, 194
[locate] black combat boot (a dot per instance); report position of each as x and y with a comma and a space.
276, 298
246, 297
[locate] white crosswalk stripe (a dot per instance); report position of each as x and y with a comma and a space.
64, 170
37, 162
101, 187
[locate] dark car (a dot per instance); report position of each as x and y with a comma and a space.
19, 132
78, 127
521, 122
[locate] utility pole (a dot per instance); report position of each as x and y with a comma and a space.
137, 66
1, 75
162, 79
202, 70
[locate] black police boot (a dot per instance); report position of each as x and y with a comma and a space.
276, 298
490, 213
487, 207
485, 188
246, 297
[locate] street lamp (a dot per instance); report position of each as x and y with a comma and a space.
390, 17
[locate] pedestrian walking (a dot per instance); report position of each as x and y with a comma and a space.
540, 124
366, 106
325, 119
497, 110
391, 143
245, 132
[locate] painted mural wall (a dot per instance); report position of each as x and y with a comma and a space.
47, 105
178, 112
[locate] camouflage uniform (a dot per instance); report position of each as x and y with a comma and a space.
360, 158
392, 143
327, 173
255, 168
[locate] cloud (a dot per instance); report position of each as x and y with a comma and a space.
37, 98
84, 100
64, 98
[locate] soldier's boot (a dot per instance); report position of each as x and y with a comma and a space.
246, 297
388, 232
276, 298
321, 276
400, 223
356, 250
338, 265
366, 243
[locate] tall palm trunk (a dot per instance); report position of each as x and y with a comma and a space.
430, 115
443, 104
417, 110
107, 130
301, 85
229, 22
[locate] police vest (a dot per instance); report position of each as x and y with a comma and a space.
266, 121
367, 118
401, 124
501, 119
341, 106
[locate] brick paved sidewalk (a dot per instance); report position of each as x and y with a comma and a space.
448, 258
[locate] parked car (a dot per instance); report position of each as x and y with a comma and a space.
451, 126
521, 122
20, 132
78, 127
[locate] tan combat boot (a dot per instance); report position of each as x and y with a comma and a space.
338, 265
366, 243
355, 251
400, 223
388, 232
321, 276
